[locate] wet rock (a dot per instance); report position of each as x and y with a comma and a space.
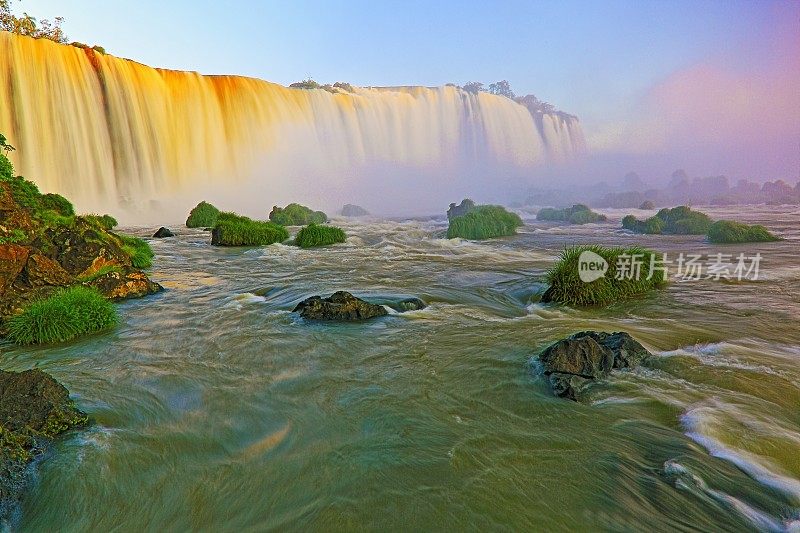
350, 210
34, 409
41, 271
13, 259
163, 233
584, 357
461, 209
409, 304
122, 285
339, 306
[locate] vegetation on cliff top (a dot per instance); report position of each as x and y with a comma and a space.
680, 220
236, 230
203, 215
729, 232
317, 235
67, 314
484, 222
616, 284
577, 214
296, 215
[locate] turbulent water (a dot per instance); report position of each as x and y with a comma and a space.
101, 130
216, 408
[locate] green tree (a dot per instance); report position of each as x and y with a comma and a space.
501, 88
473, 87
30, 26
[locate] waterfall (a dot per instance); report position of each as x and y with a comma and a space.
100, 129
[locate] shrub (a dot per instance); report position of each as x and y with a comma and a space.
59, 204
305, 84
67, 314
204, 215
680, 220
236, 230
6, 168
296, 215
728, 231
484, 222
566, 286
139, 250
316, 235
577, 214
105, 222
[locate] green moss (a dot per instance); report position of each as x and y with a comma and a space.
204, 215
316, 235
680, 220
100, 273
59, 204
103, 222
67, 314
139, 250
566, 286
577, 214
484, 222
237, 230
15, 446
14, 236
296, 215
728, 232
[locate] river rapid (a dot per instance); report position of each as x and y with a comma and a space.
218, 409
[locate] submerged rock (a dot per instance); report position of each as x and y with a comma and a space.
163, 233
572, 363
350, 210
340, 305
409, 304
34, 409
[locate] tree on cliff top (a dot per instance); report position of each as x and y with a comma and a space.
501, 88
30, 26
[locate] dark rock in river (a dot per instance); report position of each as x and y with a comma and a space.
409, 304
34, 409
576, 361
461, 209
339, 306
350, 210
163, 233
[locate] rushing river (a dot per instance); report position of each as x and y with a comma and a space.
216, 408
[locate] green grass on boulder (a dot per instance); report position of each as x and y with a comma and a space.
67, 314
484, 222
577, 214
236, 230
729, 232
296, 215
680, 220
139, 250
566, 286
317, 235
203, 215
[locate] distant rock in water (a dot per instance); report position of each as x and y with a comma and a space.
34, 409
647, 204
163, 233
409, 304
340, 305
574, 362
351, 210
461, 209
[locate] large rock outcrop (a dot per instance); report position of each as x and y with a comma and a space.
34, 409
340, 305
572, 363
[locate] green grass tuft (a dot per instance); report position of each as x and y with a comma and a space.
67, 314
728, 232
316, 235
237, 230
577, 214
204, 215
139, 250
566, 286
296, 215
484, 222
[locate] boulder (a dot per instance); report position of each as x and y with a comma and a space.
350, 210
122, 285
572, 363
409, 304
461, 209
340, 305
163, 233
647, 204
41, 271
34, 409
13, 259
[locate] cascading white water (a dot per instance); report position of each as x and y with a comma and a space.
100, 129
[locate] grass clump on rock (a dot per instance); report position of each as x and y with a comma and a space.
296, 215
317, 235
67, 314
577, 214
203, 215
139, 250
567, 287
729, 232
236, 230
676, 221
484, 222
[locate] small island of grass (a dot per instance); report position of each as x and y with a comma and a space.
484, 222
577, 214
237, 230
730, 232
567, 287
296, 215
203, 215
317, 235
680, 220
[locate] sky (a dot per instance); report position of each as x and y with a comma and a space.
708, 85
